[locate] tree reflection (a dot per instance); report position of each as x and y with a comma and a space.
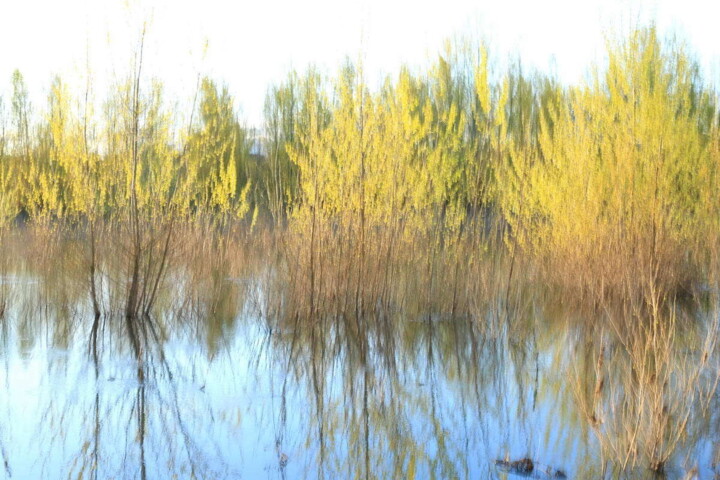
223, 378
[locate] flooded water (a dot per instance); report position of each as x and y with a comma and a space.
220, 388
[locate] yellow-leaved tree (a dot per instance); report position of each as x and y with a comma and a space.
624, 164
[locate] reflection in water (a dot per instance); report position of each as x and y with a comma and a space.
216, 382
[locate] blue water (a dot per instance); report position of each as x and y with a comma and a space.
247, 396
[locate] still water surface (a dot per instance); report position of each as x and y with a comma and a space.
222, 391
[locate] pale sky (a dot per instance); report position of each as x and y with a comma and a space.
254, 44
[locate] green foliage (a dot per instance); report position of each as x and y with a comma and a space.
282, 106
624, 158
218, 154
630, 156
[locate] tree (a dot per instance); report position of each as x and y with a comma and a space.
218, 154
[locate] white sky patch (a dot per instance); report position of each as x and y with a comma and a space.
254, 44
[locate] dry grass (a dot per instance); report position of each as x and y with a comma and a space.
655, 371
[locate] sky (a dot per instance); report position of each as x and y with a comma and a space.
251, 45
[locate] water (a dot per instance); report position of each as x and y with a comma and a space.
223, 390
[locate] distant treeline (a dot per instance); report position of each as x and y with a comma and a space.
630, 155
